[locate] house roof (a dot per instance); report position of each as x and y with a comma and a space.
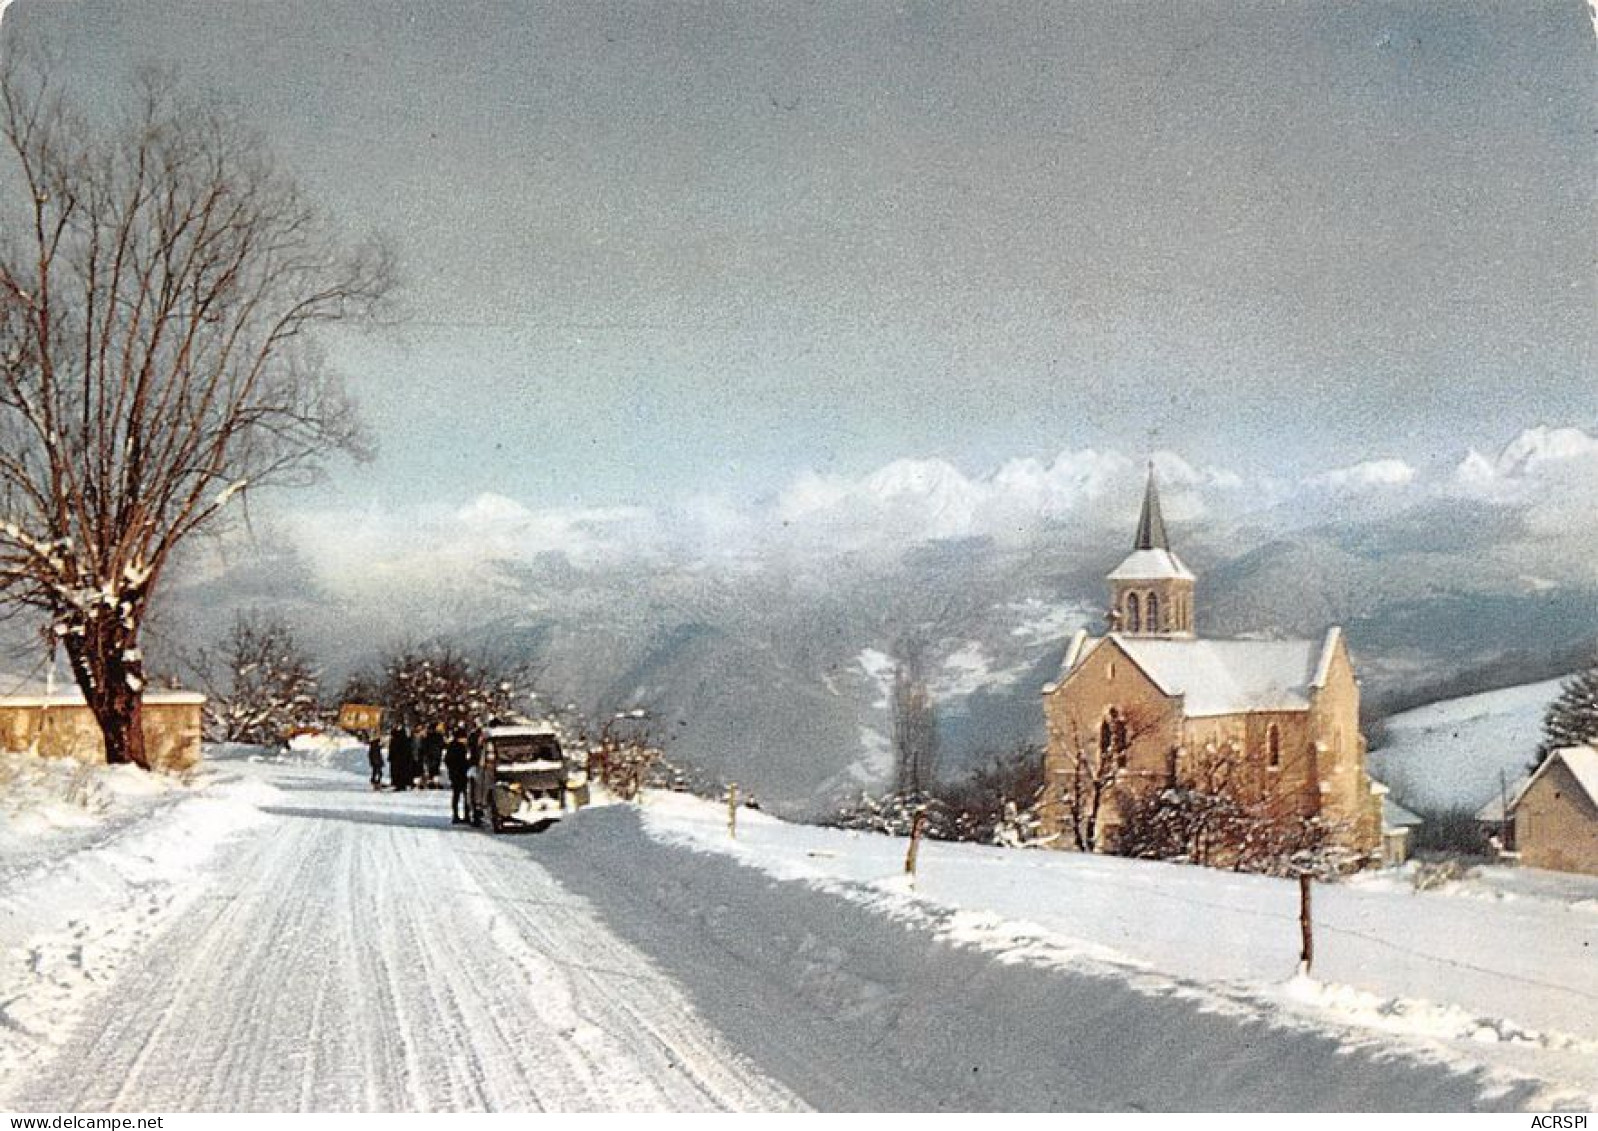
1493, 811
1581, 761
1228, 677
1395, 816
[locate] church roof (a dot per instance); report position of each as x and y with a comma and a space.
1151, 524
1150, 565
1229, 677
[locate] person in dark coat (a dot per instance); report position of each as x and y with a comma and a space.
457, 756
374, 758
400, 752
431, 749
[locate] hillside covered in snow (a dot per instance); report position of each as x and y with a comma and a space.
1461, 753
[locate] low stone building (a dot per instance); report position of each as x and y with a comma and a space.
1556, 813
1398, 825
1151, 708
59, 724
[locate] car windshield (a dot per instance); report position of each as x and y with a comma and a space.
516, 749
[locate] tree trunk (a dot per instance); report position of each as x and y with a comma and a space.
106, 664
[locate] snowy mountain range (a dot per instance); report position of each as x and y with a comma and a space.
762, 638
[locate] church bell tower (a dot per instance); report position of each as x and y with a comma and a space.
1151, 592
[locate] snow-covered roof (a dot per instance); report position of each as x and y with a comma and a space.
1493, 811
1228, 677
1151, 565
1395, 816
34, 693
522, 730
1581, 761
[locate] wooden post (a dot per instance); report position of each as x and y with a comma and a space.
1506, 826
732, 810
1305, 925
916, 822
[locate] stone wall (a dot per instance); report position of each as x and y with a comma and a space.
68, 730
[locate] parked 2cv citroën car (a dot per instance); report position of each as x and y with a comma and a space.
524, 777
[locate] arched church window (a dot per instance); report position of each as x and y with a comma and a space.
1273, 745
1106, 737
1133, 622
1152, 613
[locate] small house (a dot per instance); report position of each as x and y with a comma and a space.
1556, 813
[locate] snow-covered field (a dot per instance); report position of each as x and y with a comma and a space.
1451, 754
1499, 970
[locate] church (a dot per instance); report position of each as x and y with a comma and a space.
1152, 713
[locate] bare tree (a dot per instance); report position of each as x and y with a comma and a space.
1095, 765
159, 284
915, 725
266, 686
440, 685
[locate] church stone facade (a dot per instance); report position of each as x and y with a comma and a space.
1276, 722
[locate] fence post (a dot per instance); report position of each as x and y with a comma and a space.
1305, 925
915, 842
732, 810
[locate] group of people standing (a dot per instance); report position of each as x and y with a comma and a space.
414, 761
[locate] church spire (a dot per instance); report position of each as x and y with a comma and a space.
1151, 592
1151, 526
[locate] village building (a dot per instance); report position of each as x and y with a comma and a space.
1555, 813
1153, 709
56, 723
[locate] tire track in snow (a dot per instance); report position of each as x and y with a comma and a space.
358, 953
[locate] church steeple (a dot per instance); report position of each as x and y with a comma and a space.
1151, 526
1151, 592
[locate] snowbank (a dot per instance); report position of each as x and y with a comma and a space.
334, 749
41, 798
1502, 980
95, 862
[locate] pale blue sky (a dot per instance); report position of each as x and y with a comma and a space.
657, 250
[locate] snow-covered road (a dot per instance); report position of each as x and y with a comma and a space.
355, 951
351, 950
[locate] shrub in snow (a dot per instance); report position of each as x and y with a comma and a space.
626, 758
1431, 875
1209, 819
998, 802
893, 814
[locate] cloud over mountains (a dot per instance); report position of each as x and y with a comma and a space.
1546, 475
